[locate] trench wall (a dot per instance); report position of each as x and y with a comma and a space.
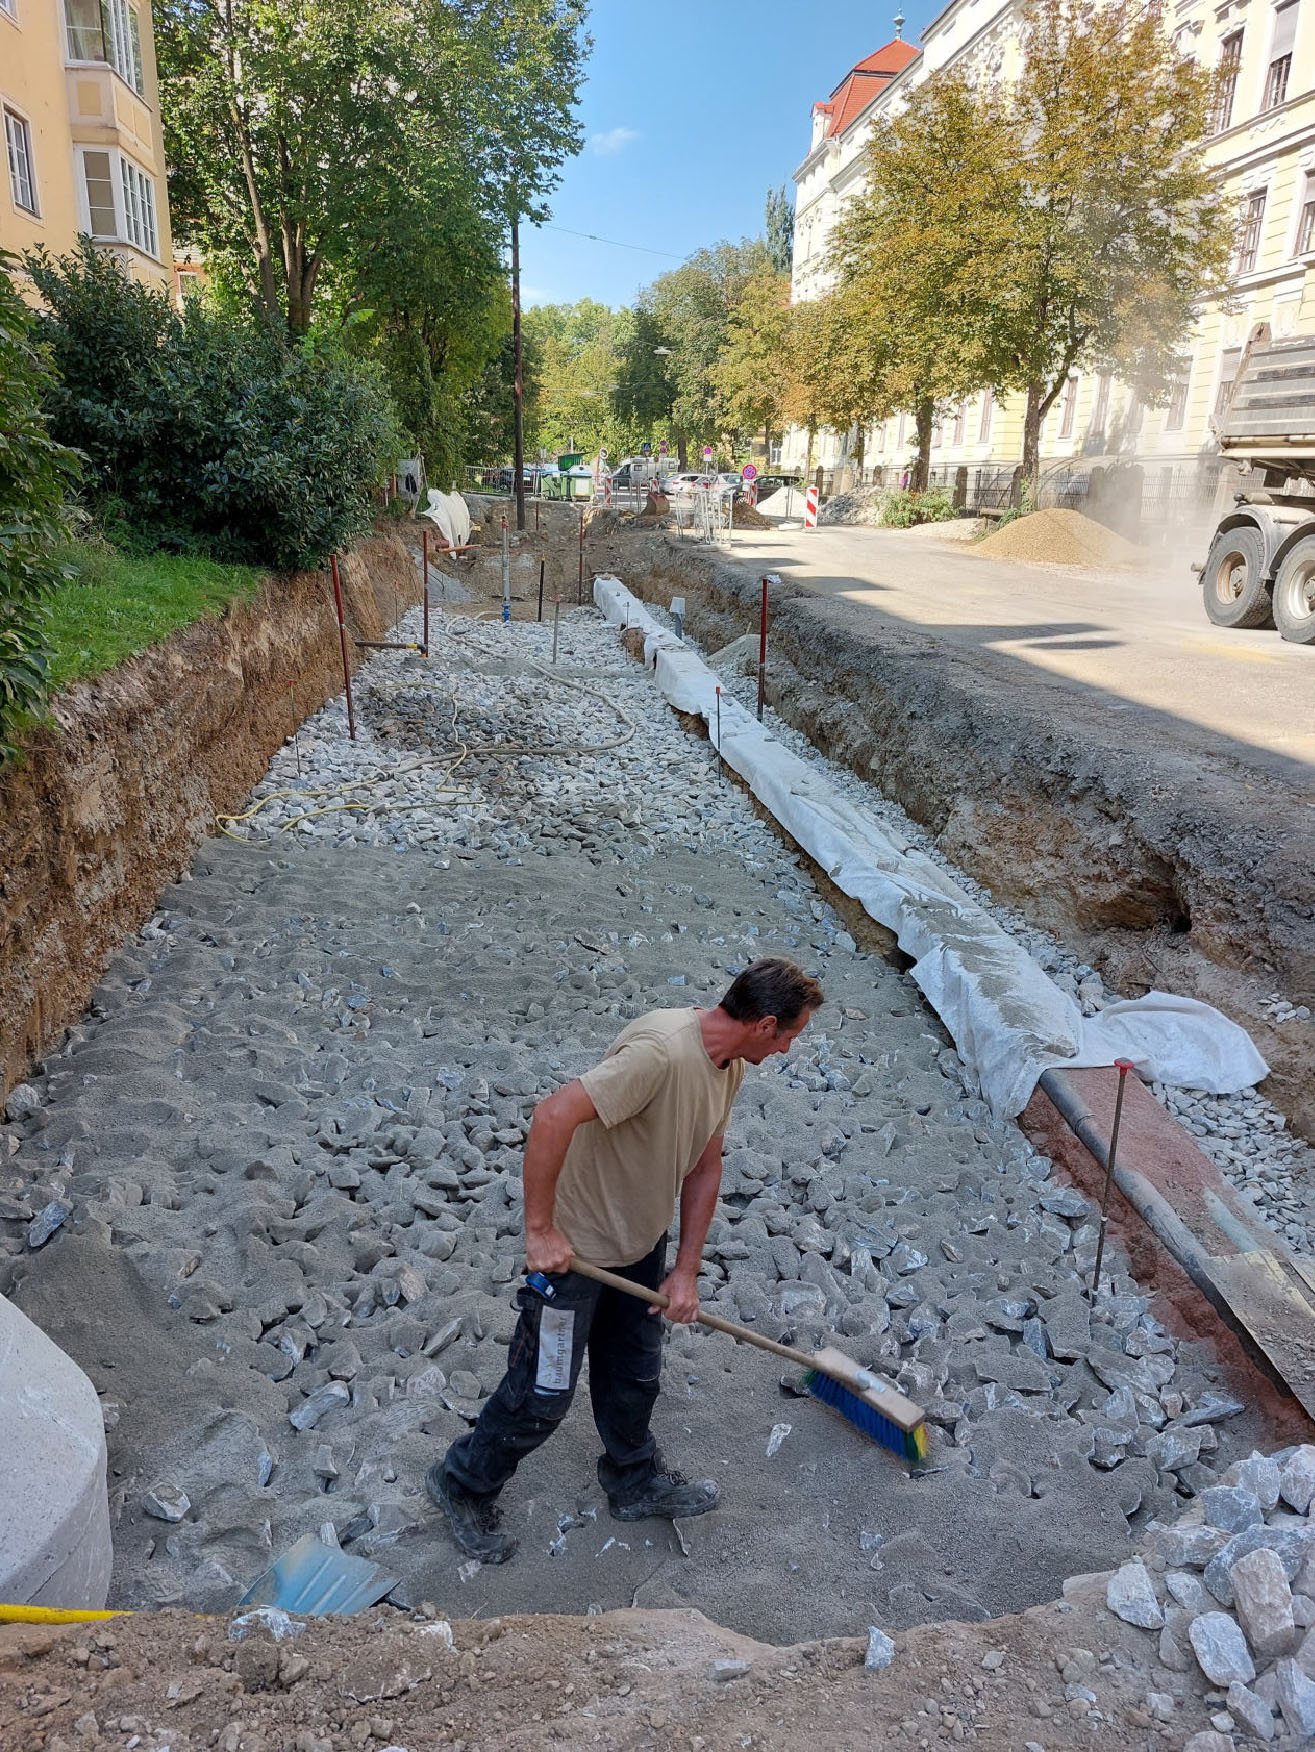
1164, 866
112, 799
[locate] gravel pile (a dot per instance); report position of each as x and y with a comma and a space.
1061, 538
284, 1148
1244, 1134
1229, 1590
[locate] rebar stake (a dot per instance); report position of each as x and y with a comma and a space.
296, 727
719, 767
556, 611
542, 564
579, 588
424, 543
342, 636
1122, 1066
762, 653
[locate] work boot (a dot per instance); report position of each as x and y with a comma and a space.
669, 1495
474, 1520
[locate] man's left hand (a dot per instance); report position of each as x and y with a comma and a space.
682, 1288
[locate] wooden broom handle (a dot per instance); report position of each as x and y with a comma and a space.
657, 1300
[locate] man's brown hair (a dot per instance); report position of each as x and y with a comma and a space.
772, 987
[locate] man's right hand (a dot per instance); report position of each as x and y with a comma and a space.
547, 1250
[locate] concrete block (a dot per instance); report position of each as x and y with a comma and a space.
54, 1520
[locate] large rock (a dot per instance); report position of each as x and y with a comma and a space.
55, 1530
1263, 1602
1221, 1649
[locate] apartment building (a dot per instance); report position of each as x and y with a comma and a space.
1263, 143
84, 148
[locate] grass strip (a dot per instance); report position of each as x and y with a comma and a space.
120, 604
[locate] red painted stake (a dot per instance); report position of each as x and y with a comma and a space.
1122, 1066
342, 635
762, 656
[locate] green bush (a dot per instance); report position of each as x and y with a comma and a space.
902, 508
35, 475
205, 431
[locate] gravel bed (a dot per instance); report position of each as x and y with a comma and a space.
269, 1193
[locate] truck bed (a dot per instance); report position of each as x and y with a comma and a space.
1270, 416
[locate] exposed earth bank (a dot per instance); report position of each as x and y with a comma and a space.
112, 799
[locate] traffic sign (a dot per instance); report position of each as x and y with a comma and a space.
707, 453
662, 448
749, 472
646, 450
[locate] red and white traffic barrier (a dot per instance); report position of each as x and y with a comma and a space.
810, 508
607, 487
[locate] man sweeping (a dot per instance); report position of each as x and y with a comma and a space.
607, 1158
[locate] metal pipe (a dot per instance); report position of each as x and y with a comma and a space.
1123, 1066
542, 564
579, 588
719, 730
342, 636
556, 613
506, 572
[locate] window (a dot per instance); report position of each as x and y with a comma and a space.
109, 31
1306, 223
899, 433
1229, 361
1248, 237
9, 8
1100, 413
1177, 409
1133, 418
984, 424
1280, 55
22, 179
1230, 65
138, 206
960, 422
1067, 407
120, 206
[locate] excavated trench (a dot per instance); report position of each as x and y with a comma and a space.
1163, 866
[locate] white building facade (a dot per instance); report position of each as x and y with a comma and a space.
1264, 141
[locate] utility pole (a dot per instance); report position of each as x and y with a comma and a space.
519, 391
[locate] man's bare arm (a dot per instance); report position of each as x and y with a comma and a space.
698, 1201
551, 1130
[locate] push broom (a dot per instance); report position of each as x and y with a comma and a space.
871, 1404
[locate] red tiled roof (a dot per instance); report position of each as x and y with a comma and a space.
862, 83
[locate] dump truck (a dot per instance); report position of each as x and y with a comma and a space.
1260, 568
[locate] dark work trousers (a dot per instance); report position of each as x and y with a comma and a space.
624, 1342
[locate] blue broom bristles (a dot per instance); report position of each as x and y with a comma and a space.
910, 1445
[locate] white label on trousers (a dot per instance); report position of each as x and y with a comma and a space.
556, 1333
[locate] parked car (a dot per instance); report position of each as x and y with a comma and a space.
733, 484
687, 482
772, 483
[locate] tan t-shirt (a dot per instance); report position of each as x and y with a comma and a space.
660, 1099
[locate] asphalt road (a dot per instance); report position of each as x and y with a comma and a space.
1139, 637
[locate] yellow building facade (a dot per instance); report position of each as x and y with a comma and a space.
84, 147
1263, 144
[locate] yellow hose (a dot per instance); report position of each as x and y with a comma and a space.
53, 1615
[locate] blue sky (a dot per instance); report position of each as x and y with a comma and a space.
691, 111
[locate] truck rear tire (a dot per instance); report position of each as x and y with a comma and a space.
1294, 594
1233, 579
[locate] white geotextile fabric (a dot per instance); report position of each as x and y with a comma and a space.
1009, 1021
451, 514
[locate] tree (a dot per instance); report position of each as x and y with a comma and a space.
778, 225
35, 475
1118, 229
751, 374
302, 133
923, 260
577, 361
645, 393
692, 306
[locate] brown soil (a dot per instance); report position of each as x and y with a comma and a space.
1061, 538
630, 1679
111, 801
